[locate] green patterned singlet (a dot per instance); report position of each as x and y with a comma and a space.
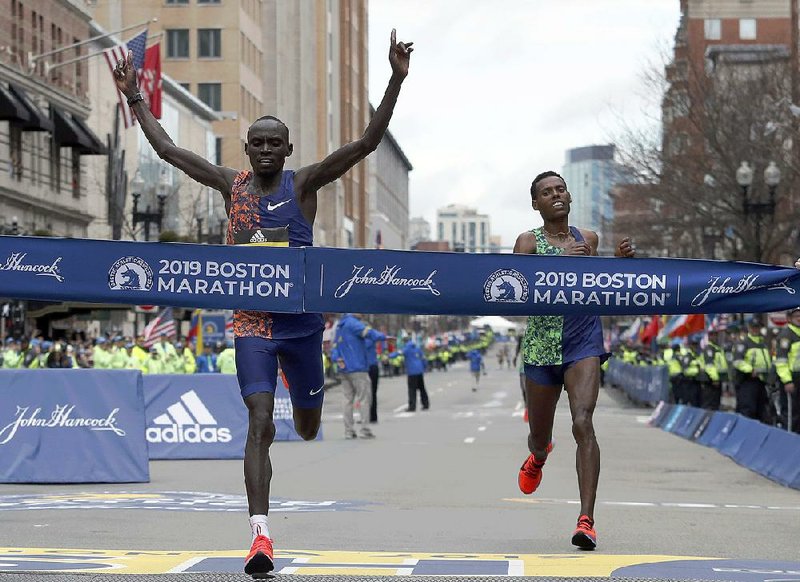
541, 345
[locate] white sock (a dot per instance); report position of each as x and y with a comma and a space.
258, 526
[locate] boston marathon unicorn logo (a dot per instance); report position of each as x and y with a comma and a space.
506, 286
130, 274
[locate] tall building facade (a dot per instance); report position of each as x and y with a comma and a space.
464, 228
315, 80
590, 173
45, 142
304, 62
213, 48
388, 196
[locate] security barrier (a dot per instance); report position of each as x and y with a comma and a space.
102, 426
769, 451
202, 416
75, 426
644, 384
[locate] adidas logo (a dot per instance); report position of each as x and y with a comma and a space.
187, 421
258, 237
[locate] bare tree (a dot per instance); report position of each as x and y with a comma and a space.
738, 109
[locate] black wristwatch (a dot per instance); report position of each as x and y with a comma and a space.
135, 98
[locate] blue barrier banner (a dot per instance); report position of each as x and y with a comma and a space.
674, 417
194, 416
137, 273
72, 426
316, 280
700, 427
688, 422
202, 416
660, 414
781, 451
723, 429
647, 384
376, 281
745, 440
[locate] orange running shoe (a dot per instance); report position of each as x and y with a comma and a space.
259, 560
585, 537
530, 474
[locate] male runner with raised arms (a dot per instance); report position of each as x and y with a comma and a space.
563, 351
259, 202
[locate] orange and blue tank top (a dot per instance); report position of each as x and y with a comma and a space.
250, 212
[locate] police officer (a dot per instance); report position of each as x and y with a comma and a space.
675, 369
752, 362
691, 365
787, 364
715, 366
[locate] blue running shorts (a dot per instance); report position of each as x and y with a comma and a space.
300, 361
550, 375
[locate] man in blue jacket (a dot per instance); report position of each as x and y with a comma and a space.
415, 369
350, 353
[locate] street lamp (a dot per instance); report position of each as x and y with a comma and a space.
14, 225
148, 217
758, 209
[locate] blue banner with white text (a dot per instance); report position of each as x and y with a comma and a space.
373, 281
293, 280
72, 426
202, 416
143, 273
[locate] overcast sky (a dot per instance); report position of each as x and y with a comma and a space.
498, 91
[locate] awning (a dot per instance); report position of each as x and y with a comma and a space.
37, 120
73, 133
11, 109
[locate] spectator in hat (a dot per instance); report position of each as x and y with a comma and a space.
11, 355
752, 362
207, 361
154, 364
100, 355
188, 360
787, 365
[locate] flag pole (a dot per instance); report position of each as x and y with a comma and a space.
32, 58
50, 66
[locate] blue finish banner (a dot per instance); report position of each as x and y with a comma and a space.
293, 280
72, 426
137, 273
373, 281
202, 416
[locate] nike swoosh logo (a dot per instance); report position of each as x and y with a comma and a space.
270, 206
317, 391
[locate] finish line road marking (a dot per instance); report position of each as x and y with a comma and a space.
38, 560
322, 562
686, 505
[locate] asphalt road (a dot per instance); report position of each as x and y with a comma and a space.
443, 480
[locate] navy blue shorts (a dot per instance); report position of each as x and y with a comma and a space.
300, 361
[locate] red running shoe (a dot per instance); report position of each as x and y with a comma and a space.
530, 474
525, 415
259, 560
585, 537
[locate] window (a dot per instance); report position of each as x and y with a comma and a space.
76, 174
208, 43
178, 43
55, 165
15, 146
218, 151
747, 28
187, 86
209, 1
173, 2
210, 94
713, 28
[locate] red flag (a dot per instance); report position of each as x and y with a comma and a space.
650, 332
693, 323
150, 79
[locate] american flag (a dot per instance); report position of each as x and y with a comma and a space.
114, 55
161, 325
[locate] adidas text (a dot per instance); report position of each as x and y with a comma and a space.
188, 434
